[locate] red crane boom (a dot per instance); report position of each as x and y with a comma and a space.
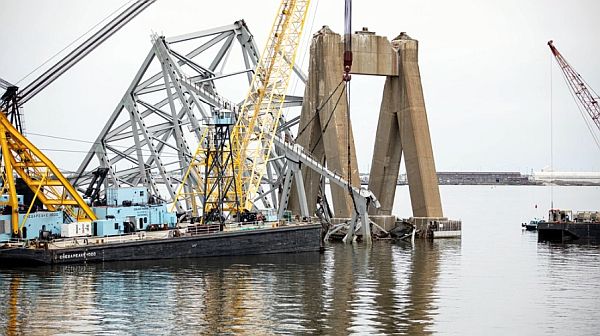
587, 98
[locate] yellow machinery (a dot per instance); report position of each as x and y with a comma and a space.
195, 168
252, 135
39, 173
21, 156
257, 122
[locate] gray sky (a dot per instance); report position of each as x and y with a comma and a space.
485, 68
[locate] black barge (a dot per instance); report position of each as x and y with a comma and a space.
564, 227
146, 246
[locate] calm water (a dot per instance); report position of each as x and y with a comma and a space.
497, 280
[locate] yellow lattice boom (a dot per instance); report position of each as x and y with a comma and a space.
39, 173
195, 168
252, 136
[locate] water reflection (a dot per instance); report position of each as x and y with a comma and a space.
12, 311
497, 280
418, 297
349, 289
388, 289
380, 290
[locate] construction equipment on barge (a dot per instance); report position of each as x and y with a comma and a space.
565, 225
127, 223
43, 186
240, 177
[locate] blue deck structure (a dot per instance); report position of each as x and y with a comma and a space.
127, 211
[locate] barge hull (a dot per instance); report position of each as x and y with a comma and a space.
293, 239
585, 233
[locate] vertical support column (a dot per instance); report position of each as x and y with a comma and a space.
285, 194
350, 236
328, 135
301, 195
387, 153
365, 225
414, 132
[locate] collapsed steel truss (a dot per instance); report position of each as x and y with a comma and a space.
149, 138
162, 113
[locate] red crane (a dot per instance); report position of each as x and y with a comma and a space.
587, 97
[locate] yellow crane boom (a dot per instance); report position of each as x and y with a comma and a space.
257, 122
20, 156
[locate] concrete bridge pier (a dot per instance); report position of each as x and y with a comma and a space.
402, 127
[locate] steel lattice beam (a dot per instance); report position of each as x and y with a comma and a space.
163, 110
147, 138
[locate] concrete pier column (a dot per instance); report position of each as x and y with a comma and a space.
387, 152
414, 132
403, 129
326, 136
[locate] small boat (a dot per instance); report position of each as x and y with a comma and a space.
532, 225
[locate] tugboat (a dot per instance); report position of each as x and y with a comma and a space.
565, 226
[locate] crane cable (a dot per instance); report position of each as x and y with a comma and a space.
347, 59
551, 136
328, 120
73, 42
318, 110
348, 149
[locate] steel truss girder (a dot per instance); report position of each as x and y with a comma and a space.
162, 110
186, 91
5, 84
363, 198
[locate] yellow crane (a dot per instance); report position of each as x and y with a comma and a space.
251, 139
20, 156
257, 122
